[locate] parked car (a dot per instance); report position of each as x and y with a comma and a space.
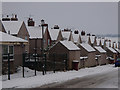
117, 62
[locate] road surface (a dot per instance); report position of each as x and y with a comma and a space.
103, 80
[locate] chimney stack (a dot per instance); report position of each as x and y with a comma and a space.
83, 33
67, 29
56, 27
109, 43
6, 18
76, 32
88, 34
31, 22
8, 32
14, 18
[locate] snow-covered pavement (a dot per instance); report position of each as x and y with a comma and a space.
35, 81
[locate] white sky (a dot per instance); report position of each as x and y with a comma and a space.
60, 0
93, 17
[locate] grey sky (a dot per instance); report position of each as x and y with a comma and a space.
97, 18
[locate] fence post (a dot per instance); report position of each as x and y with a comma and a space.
8, 66
66, 61
43, 69
45, 64
54, 62
35, 65
23, 63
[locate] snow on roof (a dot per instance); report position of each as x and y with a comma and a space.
98, 41
102, 41
66, 35
87, 47
12, 26
100, 49
69, 45
118, 50
4, 37
76, 37
35, 32
84, 39
111, 49
92, 38
113, 44
107, 44
54, 33
85, 57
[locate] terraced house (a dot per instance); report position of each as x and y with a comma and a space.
13, 46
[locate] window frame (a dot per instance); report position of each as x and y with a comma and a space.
6, 54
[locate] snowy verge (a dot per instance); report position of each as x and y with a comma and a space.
35, 81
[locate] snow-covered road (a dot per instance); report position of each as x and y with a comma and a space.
36, 81
101, 80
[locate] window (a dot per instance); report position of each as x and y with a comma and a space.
11, 49
48, 41
7, 49
44, 41
26, 38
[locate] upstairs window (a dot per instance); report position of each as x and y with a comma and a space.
26, 38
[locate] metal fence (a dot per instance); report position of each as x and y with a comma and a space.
44, 63
37, 62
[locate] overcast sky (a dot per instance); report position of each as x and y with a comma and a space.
96, 18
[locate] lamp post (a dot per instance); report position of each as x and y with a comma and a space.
35, 64
42, 44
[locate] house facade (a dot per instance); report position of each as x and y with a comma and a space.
18, 29
55, 35
69, 48
2, 27
15, 47
101, 55
89, 52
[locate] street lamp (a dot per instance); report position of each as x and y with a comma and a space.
42, 44
35, 53
43, 41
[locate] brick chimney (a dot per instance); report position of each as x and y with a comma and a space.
6, 18
88, 34
83, 33
56, 27
109, 43
14, 18
31, 22
76, 32
8, 32
67, 29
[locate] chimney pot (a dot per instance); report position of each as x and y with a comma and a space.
8, 32
31, 22
56, 27
83, 33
